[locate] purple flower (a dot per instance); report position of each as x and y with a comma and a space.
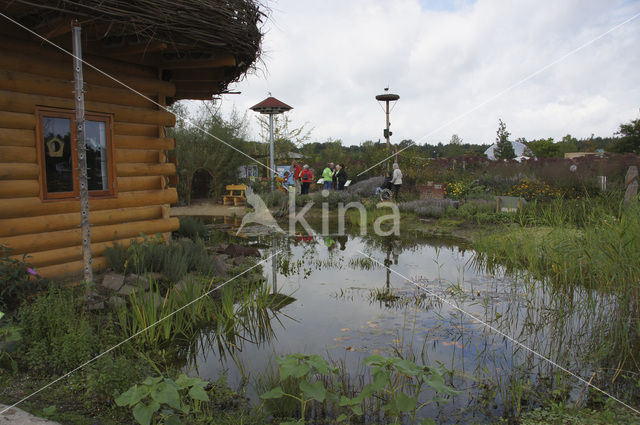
31, 271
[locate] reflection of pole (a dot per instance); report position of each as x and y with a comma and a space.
82, 152
387, 263
274, 264
271, 153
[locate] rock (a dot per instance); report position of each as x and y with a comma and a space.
15, 416
113, 281
234, 250
144, 281
115, 301
237, 261
127, 289
95, 306
219, 265
193, 280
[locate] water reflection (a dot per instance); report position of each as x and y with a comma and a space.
342, 306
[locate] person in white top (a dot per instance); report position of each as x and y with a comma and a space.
396, 180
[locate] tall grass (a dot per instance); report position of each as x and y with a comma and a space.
174, 259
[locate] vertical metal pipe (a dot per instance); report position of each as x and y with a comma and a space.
76, 32
274, 262
271, 153
388, 136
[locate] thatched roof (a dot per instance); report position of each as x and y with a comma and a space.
202, 45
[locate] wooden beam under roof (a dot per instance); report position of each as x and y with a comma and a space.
134, 49
204, 75
221, 60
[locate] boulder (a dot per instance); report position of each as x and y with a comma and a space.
115, 301
127, 289
219, 265
113, 281
15, 416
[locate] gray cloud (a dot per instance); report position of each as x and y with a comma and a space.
329, 58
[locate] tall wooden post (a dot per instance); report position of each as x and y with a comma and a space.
82, 151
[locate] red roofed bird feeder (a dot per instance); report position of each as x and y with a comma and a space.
271, 106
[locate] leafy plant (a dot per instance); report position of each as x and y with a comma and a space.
164, 400
302, 368
192, 228
397, 382
15, 278
8, 334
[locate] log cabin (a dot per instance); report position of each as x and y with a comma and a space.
141, 55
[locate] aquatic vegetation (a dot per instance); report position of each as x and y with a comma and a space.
164, 399
395, 388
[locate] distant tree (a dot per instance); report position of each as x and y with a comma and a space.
504, 148
455, 140
630, 140
455, 148
544, 148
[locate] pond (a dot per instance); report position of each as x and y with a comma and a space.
434, 305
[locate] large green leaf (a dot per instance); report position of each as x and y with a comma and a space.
143, 413
374, 360
436, 382
405, 403
272, 394
198, 393
408, 368
132, 396
174, 420
315, 391
320, 364
151, 380
427, 421
167, 394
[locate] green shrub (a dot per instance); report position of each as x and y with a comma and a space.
57, 335
192, 228
174, 259
16, 279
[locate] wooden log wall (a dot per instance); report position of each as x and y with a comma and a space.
32, 75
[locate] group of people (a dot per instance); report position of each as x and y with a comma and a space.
334, 177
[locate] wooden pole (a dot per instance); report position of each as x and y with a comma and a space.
82, 152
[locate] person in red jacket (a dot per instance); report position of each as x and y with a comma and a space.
296, 169
307, 177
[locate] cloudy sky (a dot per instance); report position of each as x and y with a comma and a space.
544, 67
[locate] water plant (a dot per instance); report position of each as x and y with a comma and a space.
396, 387
164, 400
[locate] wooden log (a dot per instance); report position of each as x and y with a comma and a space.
23, 102
128, 184
222, 59
37, 84
139, 142
71, 268
74, 253
33, 207
137, 155
133, 129
134, 170
18, 189
56, 222
17, 120
17, 137
18, 154
19, 171
34, 65
66, 238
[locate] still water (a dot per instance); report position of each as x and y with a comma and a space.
336, 313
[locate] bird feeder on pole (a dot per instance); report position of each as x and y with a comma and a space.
386, 98
271, 106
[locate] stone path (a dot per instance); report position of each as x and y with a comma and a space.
15, 416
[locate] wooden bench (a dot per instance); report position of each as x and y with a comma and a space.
236, 195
